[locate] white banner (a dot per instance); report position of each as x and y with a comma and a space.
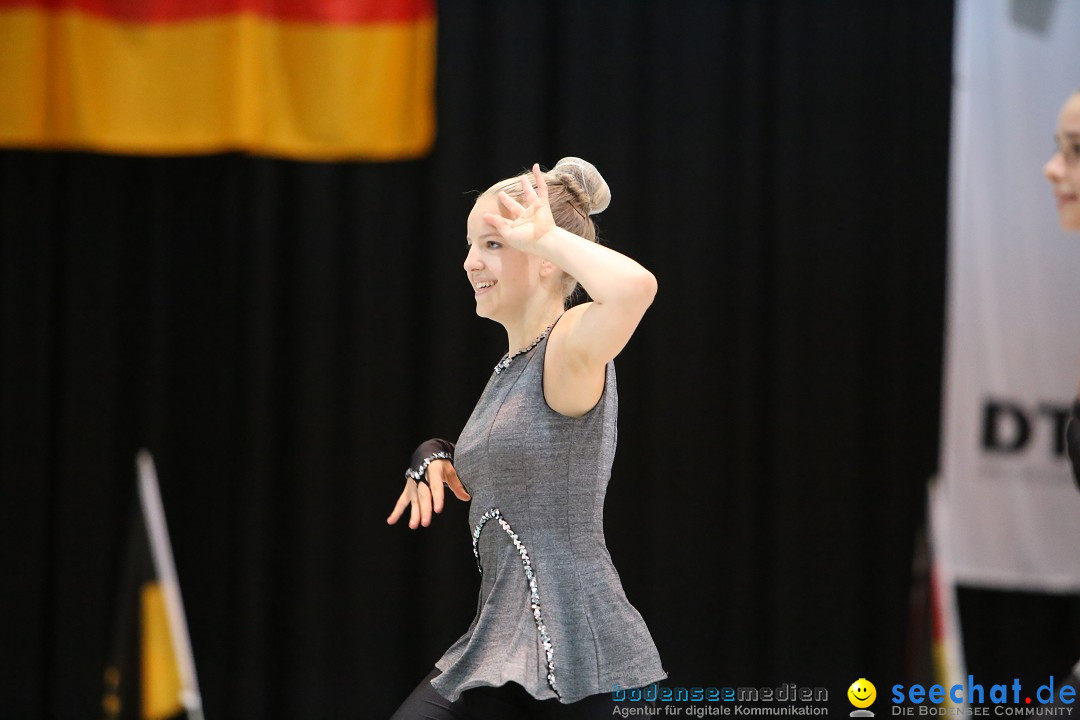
1013, 332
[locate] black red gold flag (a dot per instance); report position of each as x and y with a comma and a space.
306, 79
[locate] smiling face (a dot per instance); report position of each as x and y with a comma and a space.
503, 278
1063, 168
862, 693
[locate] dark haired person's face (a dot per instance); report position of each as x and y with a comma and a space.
1063, 168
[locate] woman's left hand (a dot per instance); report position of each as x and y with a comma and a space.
529, 222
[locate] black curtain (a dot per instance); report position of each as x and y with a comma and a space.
280, 334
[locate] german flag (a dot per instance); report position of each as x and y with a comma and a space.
304, 79
150, 674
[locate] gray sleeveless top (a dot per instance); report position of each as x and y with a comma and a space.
552, 615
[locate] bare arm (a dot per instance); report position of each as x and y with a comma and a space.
620, 288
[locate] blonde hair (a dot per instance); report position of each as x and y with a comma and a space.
576, 192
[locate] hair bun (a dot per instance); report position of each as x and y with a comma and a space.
590, 179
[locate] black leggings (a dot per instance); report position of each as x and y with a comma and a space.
506, 702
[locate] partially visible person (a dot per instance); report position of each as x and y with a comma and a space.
1063, 172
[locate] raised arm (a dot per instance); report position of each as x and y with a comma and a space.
591, 334
620, 288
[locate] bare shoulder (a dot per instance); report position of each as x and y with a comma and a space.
572, 384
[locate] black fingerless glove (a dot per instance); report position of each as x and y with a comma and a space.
427, 452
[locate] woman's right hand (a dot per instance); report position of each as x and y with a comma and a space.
424, 497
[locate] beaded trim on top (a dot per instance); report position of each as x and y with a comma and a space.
534, 596
507, 359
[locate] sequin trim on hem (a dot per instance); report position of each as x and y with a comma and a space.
530, 576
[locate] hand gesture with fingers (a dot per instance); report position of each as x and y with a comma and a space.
528, 222
426, 495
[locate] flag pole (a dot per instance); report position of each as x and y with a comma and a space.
948, 635
161, 550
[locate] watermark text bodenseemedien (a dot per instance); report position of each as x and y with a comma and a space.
788, 692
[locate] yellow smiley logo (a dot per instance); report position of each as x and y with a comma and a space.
862, 693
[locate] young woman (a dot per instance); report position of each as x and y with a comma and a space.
554, 634
1063, 172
